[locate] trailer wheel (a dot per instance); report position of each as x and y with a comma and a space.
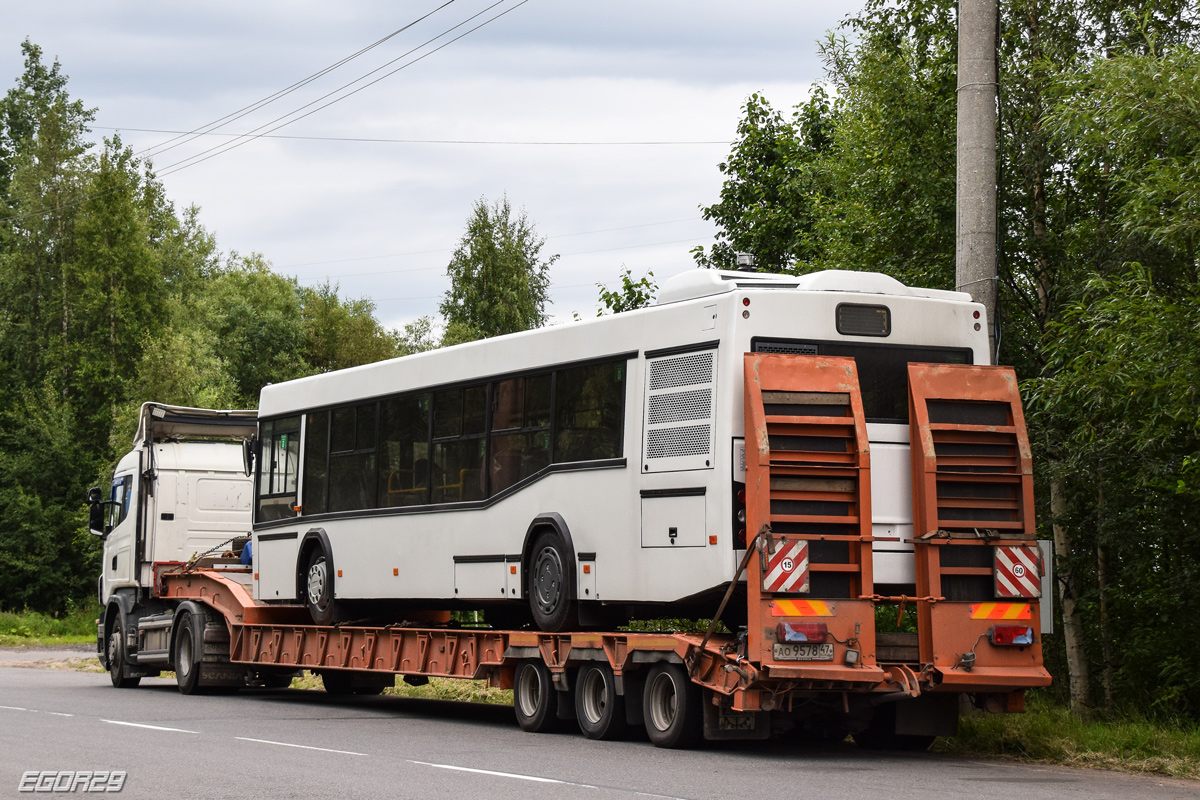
188, 647
535, 699
117, 658
318, 590
552, 585
674, 717
598, 707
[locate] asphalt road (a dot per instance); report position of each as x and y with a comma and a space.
291, 743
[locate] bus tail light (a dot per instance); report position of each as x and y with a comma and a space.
1010, 635
802, 632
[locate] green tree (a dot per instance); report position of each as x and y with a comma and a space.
629, 295
498, 277
342, 333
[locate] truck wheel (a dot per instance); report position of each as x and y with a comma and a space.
535, 699
552, 585
674, 717
117, 657
318, 590
187, 650
598, 707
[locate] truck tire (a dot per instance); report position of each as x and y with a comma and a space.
535, 700
674, 717
117, 657
551, 587
186, 654
318, 589
599, 710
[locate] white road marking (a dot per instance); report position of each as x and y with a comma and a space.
150, 727
59, 714
503, 774
301, 746
14, 708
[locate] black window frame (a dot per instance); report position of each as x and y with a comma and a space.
488, 384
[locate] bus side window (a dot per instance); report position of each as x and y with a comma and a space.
589, 412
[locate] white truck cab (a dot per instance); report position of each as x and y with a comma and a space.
185, 489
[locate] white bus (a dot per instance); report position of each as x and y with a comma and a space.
571, 472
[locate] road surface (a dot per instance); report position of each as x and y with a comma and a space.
293, 743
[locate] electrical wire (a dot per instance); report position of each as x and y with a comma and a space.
422, 141
212, 152
209, 128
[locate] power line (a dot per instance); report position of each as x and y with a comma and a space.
205, 155
450, 249
423, 141
426, 269
208, 129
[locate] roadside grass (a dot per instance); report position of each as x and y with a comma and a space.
436, 689
1049, 733
34, 629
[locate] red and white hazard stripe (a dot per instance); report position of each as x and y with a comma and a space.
1018, 571
787, 568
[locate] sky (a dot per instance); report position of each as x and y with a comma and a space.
604, 121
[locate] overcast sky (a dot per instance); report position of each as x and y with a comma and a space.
381, 219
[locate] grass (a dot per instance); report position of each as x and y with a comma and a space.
1049, 733
436, 689
34, 629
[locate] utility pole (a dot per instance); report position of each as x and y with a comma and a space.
975, 234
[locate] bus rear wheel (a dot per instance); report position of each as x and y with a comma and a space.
552, 585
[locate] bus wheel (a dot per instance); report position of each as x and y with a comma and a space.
552, 585
535, 699
318, 589
674, 717
116, 657
187, 654
598, 707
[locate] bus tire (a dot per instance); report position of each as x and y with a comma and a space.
186, 654
535, 700
318, 589
117, 656
599, 710
674, 717
552, 585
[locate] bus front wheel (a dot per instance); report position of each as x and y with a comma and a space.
552, 585
318, 589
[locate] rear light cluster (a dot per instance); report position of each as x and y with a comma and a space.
815, 632
1011, 635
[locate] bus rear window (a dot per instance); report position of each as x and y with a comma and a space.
882, 370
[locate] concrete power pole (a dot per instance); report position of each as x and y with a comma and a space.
975, 236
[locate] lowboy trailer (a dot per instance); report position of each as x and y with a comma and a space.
813, 664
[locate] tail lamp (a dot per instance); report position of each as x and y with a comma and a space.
1010, 635
815, 632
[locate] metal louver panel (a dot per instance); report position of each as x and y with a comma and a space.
679, 405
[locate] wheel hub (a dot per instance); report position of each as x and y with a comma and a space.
548, 575
316, 583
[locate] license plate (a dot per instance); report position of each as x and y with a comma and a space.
788, 651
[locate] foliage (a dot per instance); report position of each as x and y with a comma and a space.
33, 629
498, 278
1050, 733
629, 296
108, 298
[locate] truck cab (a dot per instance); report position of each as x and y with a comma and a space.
183, 491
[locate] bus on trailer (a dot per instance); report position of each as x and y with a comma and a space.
579, 474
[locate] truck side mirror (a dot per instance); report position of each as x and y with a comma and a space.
96, 517
95, 496
248, 456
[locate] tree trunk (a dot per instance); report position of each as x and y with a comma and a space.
1077, 668
1106, 677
